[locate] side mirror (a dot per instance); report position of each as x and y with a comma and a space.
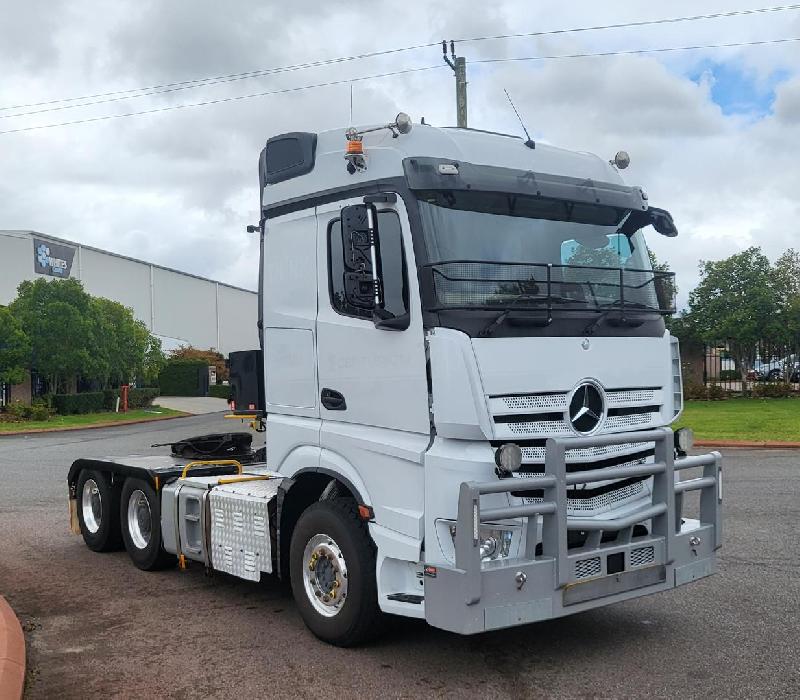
362, 286
660, 219
662, 222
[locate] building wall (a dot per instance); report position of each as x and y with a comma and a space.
180, 308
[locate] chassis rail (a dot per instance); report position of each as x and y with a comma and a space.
664, 513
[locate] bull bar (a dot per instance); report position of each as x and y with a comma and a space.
474, 596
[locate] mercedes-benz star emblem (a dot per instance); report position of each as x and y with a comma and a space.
586, 408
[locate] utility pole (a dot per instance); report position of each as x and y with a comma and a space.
459, 66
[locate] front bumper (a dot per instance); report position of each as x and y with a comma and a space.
474, 597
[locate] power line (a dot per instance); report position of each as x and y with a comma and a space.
632, 52
133, 93
224, 99
401, 72
642, 23
201, 82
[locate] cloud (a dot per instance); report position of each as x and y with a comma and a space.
179, 187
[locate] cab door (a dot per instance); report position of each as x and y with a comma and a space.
370, 376
373, 383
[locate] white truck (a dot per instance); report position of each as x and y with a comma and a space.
466, 387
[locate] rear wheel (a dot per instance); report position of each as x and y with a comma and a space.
140, 519
332, 567
98, 511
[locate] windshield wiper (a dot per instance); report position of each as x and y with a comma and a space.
500, 319
637, 307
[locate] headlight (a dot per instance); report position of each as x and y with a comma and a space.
494, 542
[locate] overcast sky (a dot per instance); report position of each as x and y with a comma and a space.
714, 135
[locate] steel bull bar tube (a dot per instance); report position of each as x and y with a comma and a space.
664, 512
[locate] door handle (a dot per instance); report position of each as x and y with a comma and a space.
333, 400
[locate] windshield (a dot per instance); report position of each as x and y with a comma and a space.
496, 249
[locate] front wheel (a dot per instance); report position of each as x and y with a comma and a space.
332, 569
140, 518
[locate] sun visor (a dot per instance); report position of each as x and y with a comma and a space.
424, 173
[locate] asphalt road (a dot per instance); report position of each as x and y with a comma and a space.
98, 627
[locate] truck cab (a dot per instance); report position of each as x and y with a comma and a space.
465, 395
450, 306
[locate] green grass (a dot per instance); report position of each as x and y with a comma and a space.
761, 420
90, 419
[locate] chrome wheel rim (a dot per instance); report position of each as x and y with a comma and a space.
140, 519
325, 575
91, 506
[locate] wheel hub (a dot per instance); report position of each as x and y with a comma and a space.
140, 519
91, 506
325, 575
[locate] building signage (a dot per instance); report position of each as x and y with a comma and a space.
52, 259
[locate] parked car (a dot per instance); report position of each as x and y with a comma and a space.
776, 368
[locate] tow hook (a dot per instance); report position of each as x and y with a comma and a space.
520, 577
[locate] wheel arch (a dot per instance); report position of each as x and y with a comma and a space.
297, 492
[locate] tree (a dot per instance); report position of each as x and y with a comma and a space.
737, 301
73, 334
210, 357
57, 317
787, 279
153, 362
15, 349
122, 342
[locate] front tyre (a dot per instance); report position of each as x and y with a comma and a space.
98, 511
140, 518
332, 570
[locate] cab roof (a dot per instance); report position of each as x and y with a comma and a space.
312, 164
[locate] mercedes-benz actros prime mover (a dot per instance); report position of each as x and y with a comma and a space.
465, 387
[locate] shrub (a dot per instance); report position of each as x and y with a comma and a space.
69, 404
715, 392
181, 377
729, 375
696, 390
220, 391
39, 410
18, 410
141, 398
773, 390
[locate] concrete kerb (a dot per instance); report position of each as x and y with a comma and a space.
12, 654
111, 424
765, 444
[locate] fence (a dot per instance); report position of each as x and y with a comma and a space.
736, 370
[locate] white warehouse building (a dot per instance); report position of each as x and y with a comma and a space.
179, 308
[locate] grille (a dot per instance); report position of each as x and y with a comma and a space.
536, 402
585, 568
635, 420
626, 397
603, 500
537, 453
642, 556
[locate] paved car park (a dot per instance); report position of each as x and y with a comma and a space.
98, 627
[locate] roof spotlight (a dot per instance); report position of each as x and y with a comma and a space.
402, 122
622, 160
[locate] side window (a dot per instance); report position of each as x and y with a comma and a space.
392, 264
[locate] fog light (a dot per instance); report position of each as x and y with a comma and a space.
684, 439
508, 457
494, 543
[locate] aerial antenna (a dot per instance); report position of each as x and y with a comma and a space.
351, 104
530, 143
